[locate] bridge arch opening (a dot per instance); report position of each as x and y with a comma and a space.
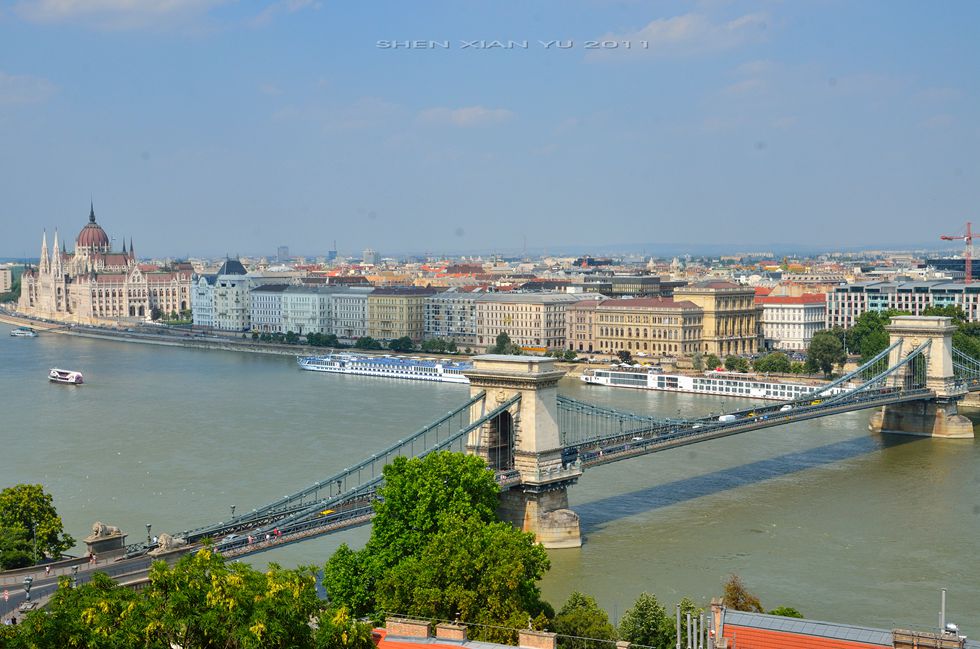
500, 445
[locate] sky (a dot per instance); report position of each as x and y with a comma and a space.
211, 127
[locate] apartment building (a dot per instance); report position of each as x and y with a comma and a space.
846, 303
730, 323
535, 321
451, 315
397, 312
789, 321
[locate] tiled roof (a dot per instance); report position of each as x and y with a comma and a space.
806, 298
647, 303
772, 631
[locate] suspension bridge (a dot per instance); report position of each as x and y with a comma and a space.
539, 442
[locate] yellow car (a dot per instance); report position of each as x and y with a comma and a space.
325, 512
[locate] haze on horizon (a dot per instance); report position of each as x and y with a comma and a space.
207, 127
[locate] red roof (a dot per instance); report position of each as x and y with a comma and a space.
762, 290
753, 638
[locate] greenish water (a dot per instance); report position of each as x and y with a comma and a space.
820, 515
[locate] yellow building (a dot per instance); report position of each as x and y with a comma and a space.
731, 319
641, 326
397, 312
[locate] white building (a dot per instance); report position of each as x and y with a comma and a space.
349, 308
846, 303
789, 322
306, 309
221, 301
371, 257
266, 306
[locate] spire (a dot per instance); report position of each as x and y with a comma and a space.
55, 256
44, 262
132, 250
91, 212
124, 245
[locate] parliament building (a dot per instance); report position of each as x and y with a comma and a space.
95, 285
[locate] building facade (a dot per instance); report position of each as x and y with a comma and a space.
266, 308
397, 312
222, 300
648, 326
6, 279
535, 321
350, 313
731, 319
846, 303
451, 316
95, 285
789, 322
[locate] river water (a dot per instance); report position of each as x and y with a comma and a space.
822, 515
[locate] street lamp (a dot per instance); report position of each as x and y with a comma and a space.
74, 576
233, 511
148, 540
28, 580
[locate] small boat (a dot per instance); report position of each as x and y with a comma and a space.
65, 376
23, 332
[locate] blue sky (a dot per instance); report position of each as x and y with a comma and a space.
216, 126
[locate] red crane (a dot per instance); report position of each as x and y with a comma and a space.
968, 255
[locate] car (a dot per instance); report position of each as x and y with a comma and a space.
785, 408
230, 537
727, 418
639, 439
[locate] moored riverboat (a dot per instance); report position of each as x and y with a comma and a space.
391, 367
71, 377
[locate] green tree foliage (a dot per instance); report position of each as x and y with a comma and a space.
786, 611
712, 362
16, 549
479, 572
647, 623
624, 356
966, 338
403, 344
868, 336
292, 338
688, 606
202, 602
796, 367
697, 362
824, 352
439, 346
28, 508
949, 310
367, 342
505, 346
323, 340
737, 597
569, 355
774, 363
736, 364
579, 618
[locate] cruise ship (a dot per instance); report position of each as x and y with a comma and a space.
387, 366
725, 384
23, 332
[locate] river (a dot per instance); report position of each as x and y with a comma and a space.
822, 515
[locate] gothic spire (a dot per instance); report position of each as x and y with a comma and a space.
91, 212
43, 262
132, 250
124, 245
55, 255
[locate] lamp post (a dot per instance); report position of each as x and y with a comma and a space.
148, 539
74, 576
28, 580
233, 511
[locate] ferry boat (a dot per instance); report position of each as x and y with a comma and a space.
725, 384
387, 366
65, 376
23, 332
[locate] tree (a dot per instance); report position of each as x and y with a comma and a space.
505, 345
647, 623
292, 338
824, 352
786, 611
581, 618
736, 364
481, 573
416, 495
687, 606
697, 362
403, 344
737, 597
712, 362
155, 313
624, 356
28, 508
16, 550
569, 355
367, 342
338, 629
774, 363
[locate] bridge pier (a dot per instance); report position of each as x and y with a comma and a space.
524, 439
936, 417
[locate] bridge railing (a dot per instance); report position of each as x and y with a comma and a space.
347, 481
321, 512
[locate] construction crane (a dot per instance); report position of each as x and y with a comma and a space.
968, 254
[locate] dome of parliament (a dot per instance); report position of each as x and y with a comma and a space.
92, 235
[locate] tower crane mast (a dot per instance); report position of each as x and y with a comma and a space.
968, 253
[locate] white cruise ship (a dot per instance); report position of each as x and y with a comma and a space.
387, 366
726, 384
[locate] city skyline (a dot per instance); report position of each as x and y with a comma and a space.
213, 127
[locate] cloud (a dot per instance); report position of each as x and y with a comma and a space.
468, 116
23, 89
283, 7
687, 35
112, 14
745, 87
270, 89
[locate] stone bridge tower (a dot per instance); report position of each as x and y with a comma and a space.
525, 440
938, 416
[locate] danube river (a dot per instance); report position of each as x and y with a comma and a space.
821, 515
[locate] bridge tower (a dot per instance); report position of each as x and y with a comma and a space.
524, 440
936, 417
